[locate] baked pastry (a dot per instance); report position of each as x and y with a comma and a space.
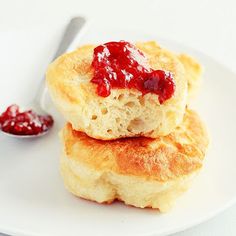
193, 73
142, 172
125, 112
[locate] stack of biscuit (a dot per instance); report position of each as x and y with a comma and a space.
127, 146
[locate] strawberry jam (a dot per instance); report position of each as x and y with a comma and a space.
122, 65
24, 123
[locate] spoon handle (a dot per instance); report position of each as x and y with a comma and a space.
72, 30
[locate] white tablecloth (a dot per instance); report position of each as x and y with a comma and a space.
208, 26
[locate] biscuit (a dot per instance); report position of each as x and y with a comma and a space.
193, 73
125, 112
142, 172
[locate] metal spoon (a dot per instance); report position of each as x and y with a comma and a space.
72, 29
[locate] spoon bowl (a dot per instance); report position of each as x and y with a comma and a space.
37, 106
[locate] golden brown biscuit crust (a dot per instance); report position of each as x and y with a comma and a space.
165, 158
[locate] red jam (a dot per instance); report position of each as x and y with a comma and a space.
122, 65
24, 123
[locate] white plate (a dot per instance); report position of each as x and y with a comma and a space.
33, 200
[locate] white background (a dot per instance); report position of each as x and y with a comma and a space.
208, 26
